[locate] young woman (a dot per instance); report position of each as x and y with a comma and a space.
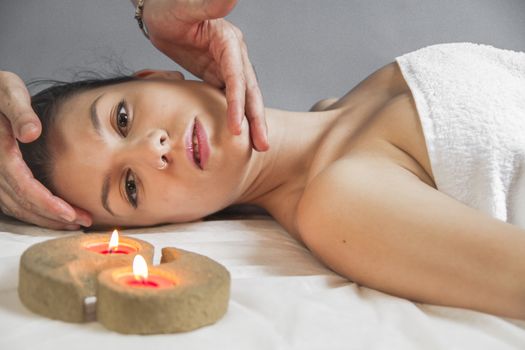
357, 180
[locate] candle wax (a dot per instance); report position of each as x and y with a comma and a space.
103, 248
153, 281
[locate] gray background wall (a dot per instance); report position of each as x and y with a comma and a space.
303, 50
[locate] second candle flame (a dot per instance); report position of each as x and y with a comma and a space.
140, 268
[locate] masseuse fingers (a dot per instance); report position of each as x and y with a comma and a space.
212, 76
15, 104
17, 181
231, 67
254, 106
10, 208
30, 195
24, 209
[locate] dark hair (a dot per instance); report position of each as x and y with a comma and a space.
46, 103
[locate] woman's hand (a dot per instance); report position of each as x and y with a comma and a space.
21, 195
194, 34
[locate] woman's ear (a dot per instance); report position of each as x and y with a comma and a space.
159, 74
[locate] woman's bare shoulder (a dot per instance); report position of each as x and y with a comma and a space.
348, 184
387, 80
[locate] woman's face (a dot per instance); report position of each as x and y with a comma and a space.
124, 152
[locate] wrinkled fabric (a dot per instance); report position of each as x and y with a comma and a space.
281, 298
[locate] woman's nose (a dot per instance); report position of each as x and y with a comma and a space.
157, 146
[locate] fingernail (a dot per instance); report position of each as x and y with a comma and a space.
28, 129
67, 217
83, 222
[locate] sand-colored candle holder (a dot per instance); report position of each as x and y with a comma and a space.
59, 275
56, 276
199, 296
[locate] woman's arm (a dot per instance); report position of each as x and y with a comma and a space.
379, 225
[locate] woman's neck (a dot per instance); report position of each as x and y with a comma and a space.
294, 138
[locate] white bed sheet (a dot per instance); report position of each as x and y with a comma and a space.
281, 298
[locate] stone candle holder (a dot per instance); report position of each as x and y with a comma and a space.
58, 275
198, 296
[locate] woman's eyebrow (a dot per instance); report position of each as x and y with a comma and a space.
94, 116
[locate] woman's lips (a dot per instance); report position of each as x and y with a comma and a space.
202, 141
204, 147
188, 141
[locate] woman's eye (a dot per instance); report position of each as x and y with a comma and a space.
122, 119
131, 188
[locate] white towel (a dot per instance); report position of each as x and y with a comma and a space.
471, 102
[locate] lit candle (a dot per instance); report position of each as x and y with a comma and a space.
56, 276
113, 247
142, 279
186, 291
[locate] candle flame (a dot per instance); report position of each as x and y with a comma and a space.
140, 268
113, 242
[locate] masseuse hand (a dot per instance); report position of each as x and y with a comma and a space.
21, 195
194, 34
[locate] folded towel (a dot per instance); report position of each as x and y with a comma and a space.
471, 102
